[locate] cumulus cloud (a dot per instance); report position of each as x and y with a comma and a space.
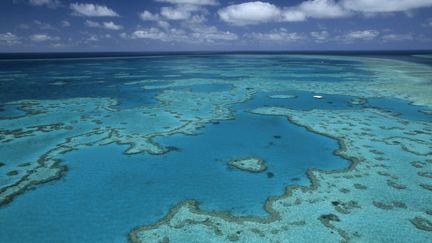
148, 16
292, 15
211, 34
92, 24
191, 34
48, 3
9, 39
397, 37
373, 6
43, 37
106, 25
361, 35
277, 35
322, 9
320, 36
112, 26
151, 33
175, 13
262, 12
180, 12
197, 19
163, 24
92, 10
250, 13
191, 11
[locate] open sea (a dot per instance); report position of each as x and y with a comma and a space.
94, 145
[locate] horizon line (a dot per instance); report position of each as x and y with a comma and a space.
4, 56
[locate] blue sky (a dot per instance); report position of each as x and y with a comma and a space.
182, 25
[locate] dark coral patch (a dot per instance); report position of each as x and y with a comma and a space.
425, 174
12, 173
382, 205
173, 148
24, 164
360, 186
396, 185
427, 186
329, 217
422, 223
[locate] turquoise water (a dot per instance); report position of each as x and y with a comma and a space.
106, 193
131, 190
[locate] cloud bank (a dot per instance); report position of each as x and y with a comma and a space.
258, 12
92, 10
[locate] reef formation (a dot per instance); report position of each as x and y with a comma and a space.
250, 164
383, 196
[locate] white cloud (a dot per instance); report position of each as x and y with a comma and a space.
361, 35
163, 24
191, 2
397, 37
93, 38
250, 13
191, 34
197, 19
191, 11
148, 16
211, 34
292, 15
277, 35
112, 26
322, 9
151, 33
65, 23
124, 35
9, 39
320, 36
92, 10
180, 12
92, 24
262, 12
48, 3
43, 37
375, 6
106, 25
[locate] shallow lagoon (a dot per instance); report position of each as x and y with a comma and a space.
113, 192
104, 183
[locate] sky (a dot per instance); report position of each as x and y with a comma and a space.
214, 25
